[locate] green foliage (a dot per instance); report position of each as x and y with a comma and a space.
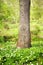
9, 17
36, 18
7, 11
20, 56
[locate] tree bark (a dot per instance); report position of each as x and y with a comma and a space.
24, 40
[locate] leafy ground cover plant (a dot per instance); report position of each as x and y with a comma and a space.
26, 56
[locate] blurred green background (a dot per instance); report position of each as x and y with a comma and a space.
9, 21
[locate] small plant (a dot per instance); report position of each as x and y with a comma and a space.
15, 56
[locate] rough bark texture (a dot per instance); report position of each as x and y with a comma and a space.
24, 40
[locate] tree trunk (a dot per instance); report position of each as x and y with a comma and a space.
24, 40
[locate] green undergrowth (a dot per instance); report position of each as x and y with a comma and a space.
14, 56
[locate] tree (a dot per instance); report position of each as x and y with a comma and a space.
24, 40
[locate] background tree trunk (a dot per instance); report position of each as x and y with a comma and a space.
24, 40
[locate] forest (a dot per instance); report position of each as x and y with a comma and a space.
21, 32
